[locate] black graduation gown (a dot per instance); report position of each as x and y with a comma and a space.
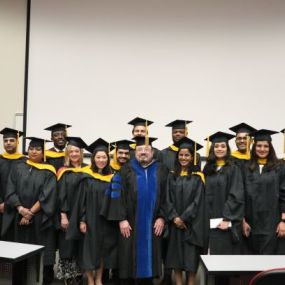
5, 168
27, 185
186, 199
56, 162
68, 185
94, 246
264, 203
125, 207
225, 199
168, 158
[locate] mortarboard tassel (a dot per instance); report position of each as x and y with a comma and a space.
146, 135
17, 142
195, 154
208, 147
186, 130
44, 150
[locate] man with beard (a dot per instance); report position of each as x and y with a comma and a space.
121, 154
243, 141
140, 208
10, 157
55, 155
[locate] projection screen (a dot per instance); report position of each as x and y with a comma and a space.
98, 64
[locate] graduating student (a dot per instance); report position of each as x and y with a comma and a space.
224, 197
264, 222
86, 223
68, 180
10, 157
140, 129
121, 154
121, 157
179, 131
140, 210
30, 203
186, 213
243, 142
55, 155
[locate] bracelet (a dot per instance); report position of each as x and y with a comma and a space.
32, 212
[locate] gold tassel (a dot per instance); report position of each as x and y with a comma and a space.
208, 147
186, 130
247, 144
195, 154
115, 154
146, 134
284, 145
17, 142
44, 150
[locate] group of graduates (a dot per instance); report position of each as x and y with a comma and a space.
136, 213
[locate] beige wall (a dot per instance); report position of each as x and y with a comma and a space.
12, 60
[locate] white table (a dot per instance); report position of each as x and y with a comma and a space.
232, 265
20, 261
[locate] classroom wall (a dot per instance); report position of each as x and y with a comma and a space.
12, 61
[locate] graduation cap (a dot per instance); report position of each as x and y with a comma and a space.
38, 142
188, 143
178, 124
11, 133
220, 137
140, 122
122, 144
76, 141
263, 135
144, 140
35, 142
58, 127
242, 128
216, 138
100, 145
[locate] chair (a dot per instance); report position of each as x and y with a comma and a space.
274, 276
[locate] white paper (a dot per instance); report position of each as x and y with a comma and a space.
215, 222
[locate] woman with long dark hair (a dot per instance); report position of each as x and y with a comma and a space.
68, 181
224, 197
186, 213
264, 221
86, 222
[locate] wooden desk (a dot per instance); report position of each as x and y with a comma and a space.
236, 265
20, 261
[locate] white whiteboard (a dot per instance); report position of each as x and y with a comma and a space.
98, 64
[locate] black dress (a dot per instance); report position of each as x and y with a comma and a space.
94, 244
264, 203
29, 183
68, 182
225, 199
186, 199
